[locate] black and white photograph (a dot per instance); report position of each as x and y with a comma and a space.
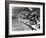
25, 18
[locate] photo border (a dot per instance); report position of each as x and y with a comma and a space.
7, 18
